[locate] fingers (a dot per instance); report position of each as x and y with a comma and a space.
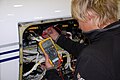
50, 32
46, 33
46, 58
47, 62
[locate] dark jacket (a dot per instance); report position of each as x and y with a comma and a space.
100, 60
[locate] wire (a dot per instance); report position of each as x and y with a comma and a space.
35, 38
37, 57
61, 75
35, 66
68, 63
42, 75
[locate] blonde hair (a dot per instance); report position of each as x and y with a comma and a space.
105, 9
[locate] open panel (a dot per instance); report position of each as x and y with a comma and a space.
31, 56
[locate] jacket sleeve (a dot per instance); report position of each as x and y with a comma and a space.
90, 68
72, 47
52, 74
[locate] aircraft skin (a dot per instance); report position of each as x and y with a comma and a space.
11, 13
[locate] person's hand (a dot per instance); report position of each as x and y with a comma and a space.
50, 32
47, 63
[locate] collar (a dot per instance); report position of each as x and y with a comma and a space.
96, 34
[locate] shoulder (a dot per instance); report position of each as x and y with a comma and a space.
91, 67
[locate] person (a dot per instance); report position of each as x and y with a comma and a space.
100, 59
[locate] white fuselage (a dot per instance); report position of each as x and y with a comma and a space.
11, 13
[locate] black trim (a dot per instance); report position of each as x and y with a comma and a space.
11, 51
8, 59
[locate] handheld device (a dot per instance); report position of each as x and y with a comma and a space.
48, 47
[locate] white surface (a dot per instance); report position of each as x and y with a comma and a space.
10, 70
14, 11
9, 55
9, 48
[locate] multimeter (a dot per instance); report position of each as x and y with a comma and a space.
48, 47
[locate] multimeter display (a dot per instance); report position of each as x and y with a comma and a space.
50, 50
48, 47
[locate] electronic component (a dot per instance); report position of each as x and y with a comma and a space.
33, 46
48, 47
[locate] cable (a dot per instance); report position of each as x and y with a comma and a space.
42, 75
37, 57
35, 66
68, 63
